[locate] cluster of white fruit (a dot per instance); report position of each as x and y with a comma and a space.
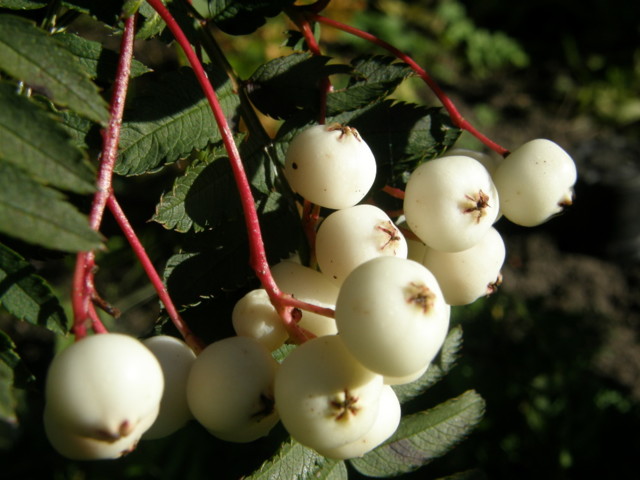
392, 297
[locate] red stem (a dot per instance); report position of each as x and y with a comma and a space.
456, 117
283, 303
82, 290
123, 222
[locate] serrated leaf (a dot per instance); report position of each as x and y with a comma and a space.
152, 25
34, 141
30, 55
98, 62
240, 17
441, 365
204, 197
373, 78
26, 295
38, 214
294, 461
424, 436
170, 122
286, 85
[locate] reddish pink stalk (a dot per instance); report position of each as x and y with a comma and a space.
394, 192
283, 303
456, 117
123, 222
83, 291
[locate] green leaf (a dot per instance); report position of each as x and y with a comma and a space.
294, 461
30, 55
373, 78
34, 141
26, 295
424, 436
38, 214
204, 197
286, 85
152, 24
171, 121
441, 365
240, 17
98, 62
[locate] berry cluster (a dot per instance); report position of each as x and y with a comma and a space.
391, 283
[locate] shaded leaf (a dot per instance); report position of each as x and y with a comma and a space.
373, 77
38, 214
240, 17
294, 461
30, 55
204, 197
286, 85
171, 121
26, 295
424, 436
441, 365
98, 62
34, 141
152, 24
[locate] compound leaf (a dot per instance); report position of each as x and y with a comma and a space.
22, 4
34, 141
295, 461
171, 121
38, 214
29, 55
26, 295
424, 436
8, 361
240, 17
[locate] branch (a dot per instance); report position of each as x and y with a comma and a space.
83, 289
283, 303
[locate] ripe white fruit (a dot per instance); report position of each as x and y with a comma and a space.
351, 236
254, 316
230, 389
392, 316
311, 286
383, 427
535, 182
102, 393
326, 399
175, 358
470, 274
450, 202
330, 165
389, 380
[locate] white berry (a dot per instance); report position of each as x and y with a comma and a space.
254, 316
105, 388
230, 389
392, 315
325, 397
470, 274
330, 165
351, 236
535, 182
451, 202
